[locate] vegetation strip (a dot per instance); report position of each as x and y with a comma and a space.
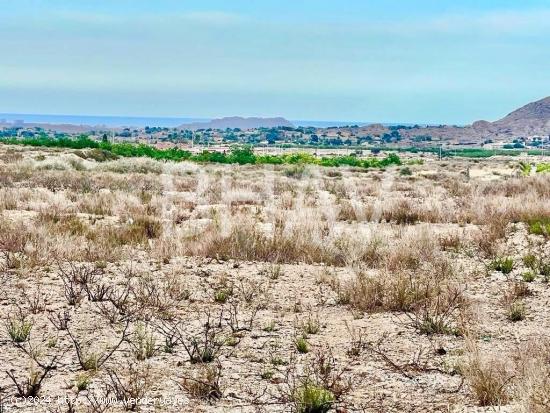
238, 154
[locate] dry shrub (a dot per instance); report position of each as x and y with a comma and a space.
346, 211
450, 242
336, 188
245, 241
402, 212
488, 378
138, 231
532, 383
13, 239
129, 384
8, 199
430, 295
185, 183
488, 238
204, 383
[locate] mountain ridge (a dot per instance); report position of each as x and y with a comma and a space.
239, 122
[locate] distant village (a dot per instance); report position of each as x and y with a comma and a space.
353, 136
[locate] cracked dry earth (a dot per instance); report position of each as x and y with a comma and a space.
137, 285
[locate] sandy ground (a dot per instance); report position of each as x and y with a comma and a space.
200, 273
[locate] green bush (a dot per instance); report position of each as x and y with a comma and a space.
540, 226
528, 276
530, 261
19, 330
239, 154
516, 311
310, 398
302, 345
504, 265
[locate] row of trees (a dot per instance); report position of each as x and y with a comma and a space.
238, 154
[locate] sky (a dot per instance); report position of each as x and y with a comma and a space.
424, 61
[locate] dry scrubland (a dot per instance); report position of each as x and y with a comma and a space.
246, 288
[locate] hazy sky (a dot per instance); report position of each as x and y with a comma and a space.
430, 61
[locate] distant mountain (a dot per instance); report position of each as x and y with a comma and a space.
238, 122
531, 119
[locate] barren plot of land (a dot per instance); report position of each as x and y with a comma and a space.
138, 285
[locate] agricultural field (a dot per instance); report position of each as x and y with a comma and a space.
135, 284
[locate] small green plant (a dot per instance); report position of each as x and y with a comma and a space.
516, 311
90, 361
274, 271
302, 345
231, 341
82, 381
544, 269
530, 261
524, 168
435, 325
267, 374
504, 265
528, 276
278, 361
405, 171
222, 295
310, 398
539, 226
270, 327
312, 325
19, 329
144, 343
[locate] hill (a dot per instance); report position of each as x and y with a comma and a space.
531, 119
238, 122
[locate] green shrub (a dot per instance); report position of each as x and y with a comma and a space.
516, 311
530, 261
102, 151
528, 276
310, 398
222, 295
302, 345
144, 343
540, 226
504, 265
82, 381
19, 329
544, 269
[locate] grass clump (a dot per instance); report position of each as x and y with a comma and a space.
516, 311
222, 295
528, 276
504, 265
540, 226
488, 380
530, 261
19, 329
302, 345
144, 343
82, 381
310, 398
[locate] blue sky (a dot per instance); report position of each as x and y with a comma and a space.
435, 61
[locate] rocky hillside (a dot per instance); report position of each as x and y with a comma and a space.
531, 119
